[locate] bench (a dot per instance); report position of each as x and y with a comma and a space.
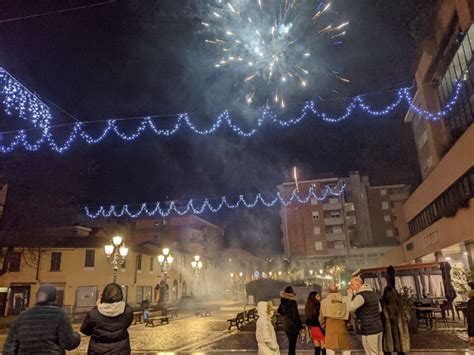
137, 317
156, 317
172, 311
203, 313
251, 314
237, 321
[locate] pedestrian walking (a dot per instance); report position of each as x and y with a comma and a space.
312, 311
42, 329
395, 317
107, 323
334, 316
265, 333
292, 326
470, 314
365, 303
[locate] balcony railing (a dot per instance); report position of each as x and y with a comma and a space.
334, 221
334, 237
332, 206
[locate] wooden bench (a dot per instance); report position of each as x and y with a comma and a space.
156, 317
237, 321
203, 313
172, 311
137, 317
251, 314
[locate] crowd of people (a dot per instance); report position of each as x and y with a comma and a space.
381, 323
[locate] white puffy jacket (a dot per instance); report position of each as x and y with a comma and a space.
265, 333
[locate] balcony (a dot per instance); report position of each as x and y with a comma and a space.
334, 237
398, 197
334, 221
332, 206
333, 251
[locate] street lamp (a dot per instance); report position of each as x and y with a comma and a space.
166, 261
116, 253
197, 265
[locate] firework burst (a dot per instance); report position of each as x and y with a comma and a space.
271, 43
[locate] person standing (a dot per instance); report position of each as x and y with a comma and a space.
43, 329
288, 309
365, 303
312, 310
334, 315
396, 337
470, 314
107, 323
265, 332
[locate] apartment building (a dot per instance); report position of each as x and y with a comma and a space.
436, 221
352, 225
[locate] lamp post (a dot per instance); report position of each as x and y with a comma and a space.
197, 265
116, 253
166, 261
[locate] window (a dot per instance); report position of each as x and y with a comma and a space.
143, 293
337, 229
55, 262
318, 245
315, 215
139, 262
389, 232
314, 201
90, 258
156, 224
152, 263
339, 245
317, 230
15, 262
387, 218
383, 191
123, 266
335, 214
125, 292
385, 205
333, 200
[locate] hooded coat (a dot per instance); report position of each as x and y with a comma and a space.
107, 325
288, 309
42, 329
396, 337
265, 333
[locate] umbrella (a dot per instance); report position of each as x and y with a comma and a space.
391, 276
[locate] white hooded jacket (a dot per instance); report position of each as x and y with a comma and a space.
265, 333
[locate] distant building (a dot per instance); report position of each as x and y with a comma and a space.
358, 225
436, 222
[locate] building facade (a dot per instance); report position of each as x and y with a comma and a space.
436, 222
354, 225
74, 260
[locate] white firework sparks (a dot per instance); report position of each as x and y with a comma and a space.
270, 41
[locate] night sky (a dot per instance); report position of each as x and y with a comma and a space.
137, 57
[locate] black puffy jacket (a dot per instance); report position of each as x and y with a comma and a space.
107, 325
289, 310
42, 329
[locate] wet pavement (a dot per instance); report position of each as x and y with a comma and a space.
188, 334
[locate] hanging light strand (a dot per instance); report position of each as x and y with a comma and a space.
29, 107
194, 207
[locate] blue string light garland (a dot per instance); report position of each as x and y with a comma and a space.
29, 107
165, 209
